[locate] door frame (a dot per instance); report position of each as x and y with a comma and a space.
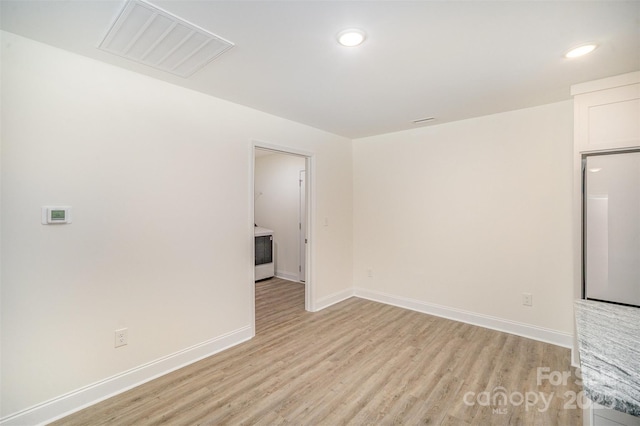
310, 213
302, 225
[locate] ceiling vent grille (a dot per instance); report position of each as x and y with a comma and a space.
154, 37
423, 120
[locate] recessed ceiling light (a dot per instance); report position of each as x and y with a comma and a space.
580, 50
351, 37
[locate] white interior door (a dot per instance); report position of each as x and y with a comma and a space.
302, 225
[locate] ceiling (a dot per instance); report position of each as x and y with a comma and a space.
450, 60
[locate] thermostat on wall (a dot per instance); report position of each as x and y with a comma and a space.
56, 215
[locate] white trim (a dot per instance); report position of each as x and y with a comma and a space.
310, 260
251, 233
606, 83
520, 329
71, 402
81, 398
280, 148
334, 298
287, 276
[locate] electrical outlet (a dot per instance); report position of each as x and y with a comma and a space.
370, 273
122, 337
527, 299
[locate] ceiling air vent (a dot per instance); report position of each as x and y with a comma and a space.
423, 120
154, 37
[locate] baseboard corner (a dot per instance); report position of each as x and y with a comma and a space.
332, 299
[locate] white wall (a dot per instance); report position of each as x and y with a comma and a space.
470, 215
277, 207
466, 215
158, 177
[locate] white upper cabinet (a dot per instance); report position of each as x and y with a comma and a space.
607, 113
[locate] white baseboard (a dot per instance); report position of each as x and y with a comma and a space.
81, 398
332, 299
287, 276
520, 329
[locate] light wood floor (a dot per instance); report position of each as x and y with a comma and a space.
356, 362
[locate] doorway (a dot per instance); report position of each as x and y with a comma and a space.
288, 186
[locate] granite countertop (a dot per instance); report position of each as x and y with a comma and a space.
609, 344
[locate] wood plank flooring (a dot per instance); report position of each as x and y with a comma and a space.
357, 362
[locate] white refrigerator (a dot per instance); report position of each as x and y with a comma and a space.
611, 227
